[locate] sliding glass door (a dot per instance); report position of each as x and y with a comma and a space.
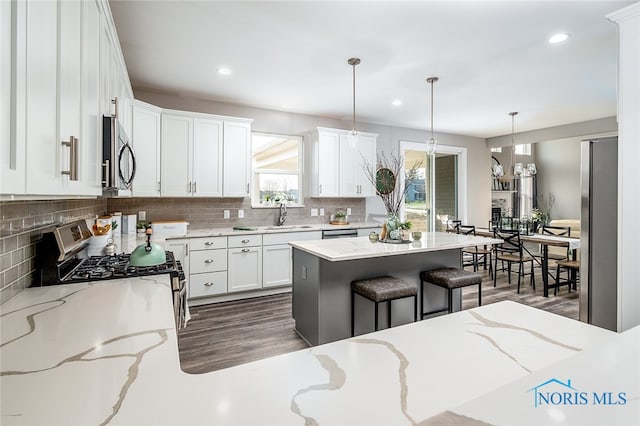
434, 193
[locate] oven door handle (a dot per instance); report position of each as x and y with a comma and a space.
126, 148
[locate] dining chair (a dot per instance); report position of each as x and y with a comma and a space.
554, 253
572, 268
511, 250
475, 253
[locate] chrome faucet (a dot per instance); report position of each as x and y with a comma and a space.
283, 214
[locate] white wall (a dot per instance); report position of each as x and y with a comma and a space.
558, 164
479, 164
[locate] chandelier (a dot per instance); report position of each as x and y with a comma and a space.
353, 62
515, 170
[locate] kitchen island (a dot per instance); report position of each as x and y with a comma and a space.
106, 353
323, 271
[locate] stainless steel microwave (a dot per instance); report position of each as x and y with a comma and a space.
118, 158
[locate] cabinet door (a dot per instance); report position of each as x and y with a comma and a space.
349, 164
245, 269
180, 249
12, 155
365, 155
69, 97
237, 156
207, 158
145, 138
276, 261
43, 147
328, 153
175, 169
91, 139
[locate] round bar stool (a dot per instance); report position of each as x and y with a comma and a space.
382, 289
449, 278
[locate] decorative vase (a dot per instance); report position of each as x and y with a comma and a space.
393, 226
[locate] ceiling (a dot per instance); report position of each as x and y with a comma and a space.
491, 58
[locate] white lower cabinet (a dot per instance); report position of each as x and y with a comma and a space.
245, 263
208, 284
276, 269
180, 249
239, 263
207, 266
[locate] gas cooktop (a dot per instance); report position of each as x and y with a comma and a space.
115, 266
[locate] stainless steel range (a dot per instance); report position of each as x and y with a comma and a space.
62, 259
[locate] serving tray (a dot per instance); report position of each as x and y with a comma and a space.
395, 241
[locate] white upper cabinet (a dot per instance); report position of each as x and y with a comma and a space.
145, 138
57, 91
237, 158
323, 172
176, 155
91, 136
69, 95
43, 149
336, 163
204, 155
12, 155
207, 153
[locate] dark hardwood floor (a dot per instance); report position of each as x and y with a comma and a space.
231, 333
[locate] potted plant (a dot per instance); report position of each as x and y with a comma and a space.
404, 229
340, 216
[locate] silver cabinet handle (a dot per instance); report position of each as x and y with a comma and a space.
245, 250
73, 158
159, 188
247, 187
208, 243
186, 249
189, 187
194, 187
208, 261
114, 101
208, 284
320, 191
105, 181
245, 241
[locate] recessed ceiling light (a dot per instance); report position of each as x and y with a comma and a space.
558, 38
286, 106
396, 102
224, 71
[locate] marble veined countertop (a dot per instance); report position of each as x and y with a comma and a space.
361, 248
106, 353
228, 231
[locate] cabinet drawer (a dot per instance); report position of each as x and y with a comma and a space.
245, 240
208, 284
283, 238
208, 261
208, 243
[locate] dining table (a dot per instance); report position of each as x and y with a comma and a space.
545, 241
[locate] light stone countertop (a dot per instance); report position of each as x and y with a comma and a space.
270, 229
362, 248
106, 353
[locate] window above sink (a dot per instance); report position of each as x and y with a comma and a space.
276, 166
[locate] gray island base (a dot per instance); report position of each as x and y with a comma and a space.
323, 271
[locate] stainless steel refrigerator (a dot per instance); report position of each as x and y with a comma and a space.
599, 232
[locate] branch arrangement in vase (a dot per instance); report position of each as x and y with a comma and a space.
384, 176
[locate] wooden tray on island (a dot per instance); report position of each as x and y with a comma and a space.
333, 222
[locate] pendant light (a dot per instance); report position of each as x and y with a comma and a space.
432, 144
354, 132
515, 170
